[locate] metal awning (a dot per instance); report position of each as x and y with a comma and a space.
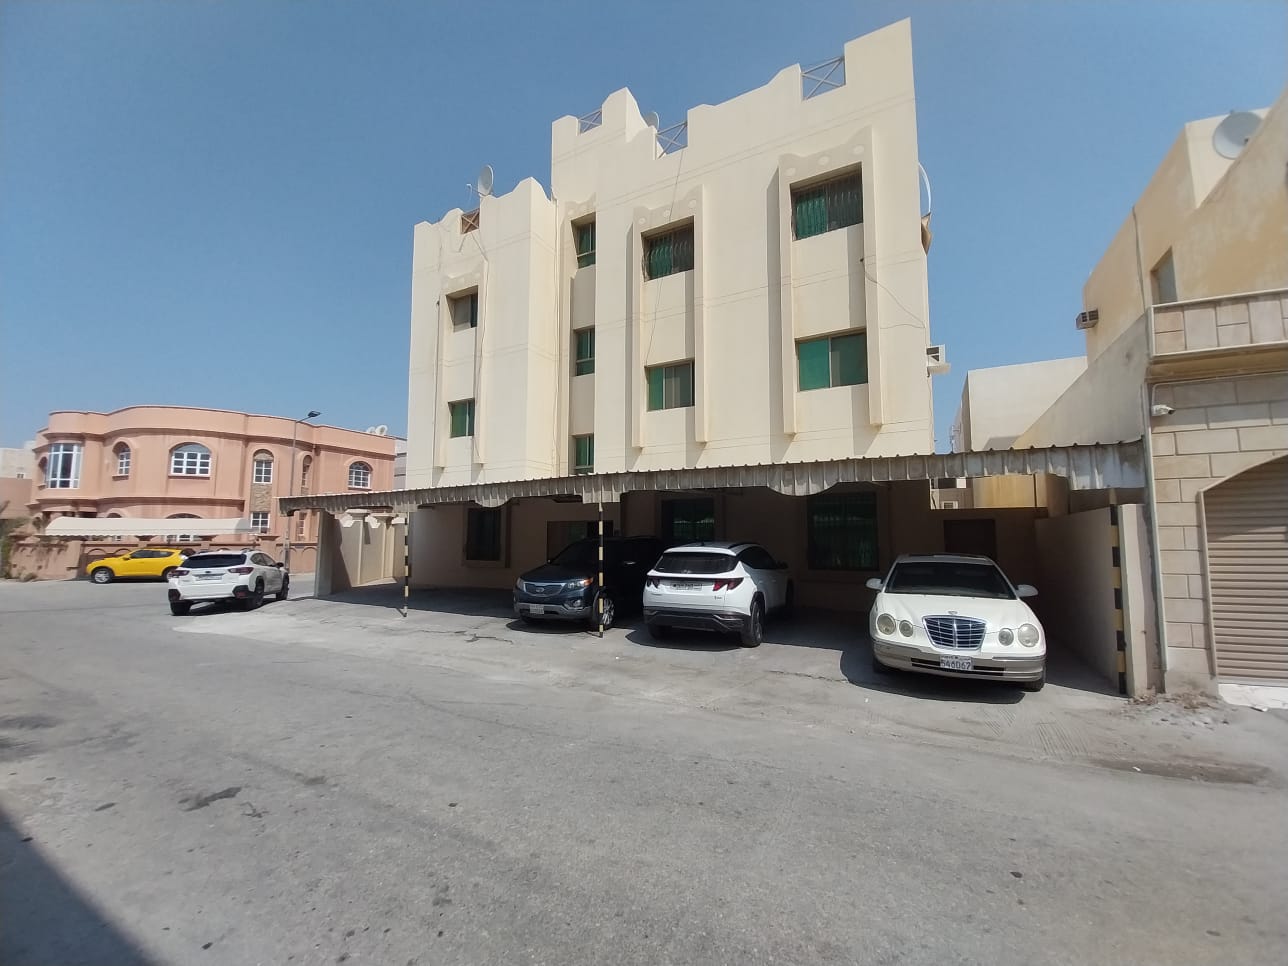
1099, 466
139, 527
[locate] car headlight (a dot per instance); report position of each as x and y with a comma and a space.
580, 583
905, 628
518, 584
1006, 637
885, 624
1029, 635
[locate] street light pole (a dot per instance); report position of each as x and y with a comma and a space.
295, 434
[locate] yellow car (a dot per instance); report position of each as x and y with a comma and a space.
155, 562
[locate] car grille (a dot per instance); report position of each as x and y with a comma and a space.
957, 633
541, 590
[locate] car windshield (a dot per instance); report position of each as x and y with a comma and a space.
578, 556
950, 578
216, 560
695, 563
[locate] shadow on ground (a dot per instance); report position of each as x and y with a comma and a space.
44, 919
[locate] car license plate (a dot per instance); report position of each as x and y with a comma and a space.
536, 609
678, 585
955, 663
209, 576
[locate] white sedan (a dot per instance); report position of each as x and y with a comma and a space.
956, 616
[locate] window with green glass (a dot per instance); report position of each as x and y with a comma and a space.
585, 238
583, 454
827, 206
686, 521
464, 310
482, 534
669, 253
583, 352
461, 413
841, 531
670, 387
836, 360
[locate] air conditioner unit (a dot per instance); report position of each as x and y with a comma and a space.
1087, 319
937, 360
948, 505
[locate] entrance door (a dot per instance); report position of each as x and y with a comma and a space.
971, 537
1247, 565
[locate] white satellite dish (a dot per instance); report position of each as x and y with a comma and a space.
652, 120
484, 184
382, 430
1232, 134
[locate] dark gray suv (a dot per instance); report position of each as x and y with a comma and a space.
566, 587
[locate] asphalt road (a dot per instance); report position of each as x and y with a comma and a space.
331, 783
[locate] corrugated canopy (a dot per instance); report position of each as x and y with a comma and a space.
138, 527
1100, 466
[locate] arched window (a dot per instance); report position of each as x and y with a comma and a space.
306, 468
122, 454
263, 472
62, 466
190, 459
359, 476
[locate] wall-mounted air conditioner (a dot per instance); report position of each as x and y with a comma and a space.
948, 505
1087, 319
937, 360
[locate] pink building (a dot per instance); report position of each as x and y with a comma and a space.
186, 464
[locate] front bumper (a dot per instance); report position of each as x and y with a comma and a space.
577, 605
697, 620
986, 665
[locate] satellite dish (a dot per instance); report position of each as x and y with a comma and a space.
485, 180
1232, 134
652, 120
382, 430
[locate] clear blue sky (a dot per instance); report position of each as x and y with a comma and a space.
211, 203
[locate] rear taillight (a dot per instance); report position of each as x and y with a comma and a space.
181, 573
729, 584
653, 581
241, 570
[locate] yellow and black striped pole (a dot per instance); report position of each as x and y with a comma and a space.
406, 561
599, 597
1116, 573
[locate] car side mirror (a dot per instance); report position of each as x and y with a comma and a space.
876, 583
1026, 590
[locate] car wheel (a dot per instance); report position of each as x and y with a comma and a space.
256, 598
166, 574
101, 575
180, 608
659, 632
284, 589
1034, 685
610, 612
753, 632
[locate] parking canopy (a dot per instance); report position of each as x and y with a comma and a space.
138, 527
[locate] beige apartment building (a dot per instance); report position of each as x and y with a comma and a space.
157, 472
1185, 321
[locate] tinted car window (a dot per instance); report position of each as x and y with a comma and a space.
217, 560
946, 577
758, 558
579, 555
695, 563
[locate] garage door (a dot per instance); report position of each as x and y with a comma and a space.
1247, 549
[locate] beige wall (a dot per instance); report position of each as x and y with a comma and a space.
18, 462
15, 494
1218, 429
753, 290
1000, 403
151, 491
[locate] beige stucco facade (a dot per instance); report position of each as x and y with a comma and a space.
156, 462
754, 290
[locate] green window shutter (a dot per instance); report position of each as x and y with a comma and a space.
680, 392
655, 380
849, 360
585, 352
844, 203
659, 257
812, 364
462, 417
842, 531
469, 418
474, 310
583, 454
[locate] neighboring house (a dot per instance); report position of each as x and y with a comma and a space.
997, 406
17, 470
170, 467
1185, 320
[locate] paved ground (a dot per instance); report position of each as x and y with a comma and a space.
330, 782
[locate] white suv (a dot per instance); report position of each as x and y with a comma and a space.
716, 587
245, 576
